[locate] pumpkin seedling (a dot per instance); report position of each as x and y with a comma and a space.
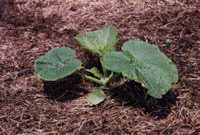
138, 60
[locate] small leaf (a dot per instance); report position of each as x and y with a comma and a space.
96, 97
56, 64
168, 41
144, 63
95, 72
100, 41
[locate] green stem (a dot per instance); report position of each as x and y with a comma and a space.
93, 79
104, 70
108, 79
120, 83
102, 81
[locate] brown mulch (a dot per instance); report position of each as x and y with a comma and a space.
29, 28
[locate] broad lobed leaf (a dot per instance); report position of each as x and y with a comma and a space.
118, 62
56, 64
144, 63
100, 41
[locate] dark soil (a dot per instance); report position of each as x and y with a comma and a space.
132, 93
65, 89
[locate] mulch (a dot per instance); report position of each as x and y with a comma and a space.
29, 28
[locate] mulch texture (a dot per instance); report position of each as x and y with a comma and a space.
29, 106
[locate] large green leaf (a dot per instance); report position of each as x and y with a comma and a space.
144, 63
56, 64
96, 97
118, 62
100, 41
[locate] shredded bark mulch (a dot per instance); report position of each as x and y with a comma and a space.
29, 28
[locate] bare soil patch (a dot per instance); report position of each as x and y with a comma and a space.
29, 28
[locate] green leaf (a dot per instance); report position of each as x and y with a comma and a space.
56, 64
168, 41
144, 63
95, 72
118, 62
96, 97
100, 41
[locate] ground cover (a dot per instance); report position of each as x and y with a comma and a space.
28, 29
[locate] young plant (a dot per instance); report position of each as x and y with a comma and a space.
168, 41
137, 61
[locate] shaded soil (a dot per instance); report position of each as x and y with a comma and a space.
29, 28
66, 89
132, 93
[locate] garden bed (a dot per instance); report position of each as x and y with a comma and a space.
28, 29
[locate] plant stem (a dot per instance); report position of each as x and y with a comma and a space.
94, 79
120, 83
108, 79
103, 81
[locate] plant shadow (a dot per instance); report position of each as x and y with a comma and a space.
65, 89
133, 94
